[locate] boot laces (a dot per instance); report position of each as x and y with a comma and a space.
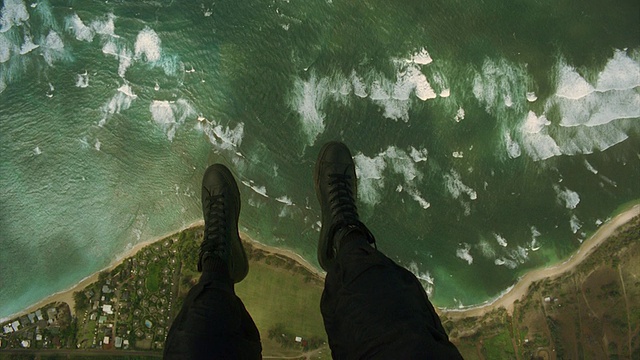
215, 229
343, 205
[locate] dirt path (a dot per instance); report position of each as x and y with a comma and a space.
521, 287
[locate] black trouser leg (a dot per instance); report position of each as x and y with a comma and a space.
373, 308
213, 324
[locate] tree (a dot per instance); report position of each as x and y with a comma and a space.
81, 302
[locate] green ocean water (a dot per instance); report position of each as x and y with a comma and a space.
490, 137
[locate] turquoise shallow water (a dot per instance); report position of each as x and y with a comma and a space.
490, 138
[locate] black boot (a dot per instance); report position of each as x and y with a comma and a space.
221, 210
336, 189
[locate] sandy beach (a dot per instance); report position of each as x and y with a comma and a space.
506, 300
520, 288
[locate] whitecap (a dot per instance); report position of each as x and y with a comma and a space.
308, 99
620, 73
14, 12
120, 101
285, 200
575, 224
458, 154
421, 57
81, 31
370, 180
28, 45
147, 46
463, 253
5, 48
169, 115
590, 167
37, 150
456, 188
97, 145
359, 88
105, 27
52, 48
82, 80
533, 124
513, 149
425, 278
417, 196
570, 199
445, 93
459, 115
486, 249
570, 84
418, 155
501, 240
531, 96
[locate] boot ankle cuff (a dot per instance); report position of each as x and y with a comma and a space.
352, 232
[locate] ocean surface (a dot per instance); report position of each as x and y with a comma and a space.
490, 137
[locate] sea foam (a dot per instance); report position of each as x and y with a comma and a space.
13, 13
169, 115
464, 253
81, 31
147, 46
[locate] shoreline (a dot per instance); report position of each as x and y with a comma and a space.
506, 299
521, 286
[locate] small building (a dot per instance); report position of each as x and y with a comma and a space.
25, 344
93, 316
107, 309
298, 339
118, 342
38, 337
125, 343
105, 289
39, 315
105, 340
32, 318
547, 299
8, 329
15, 325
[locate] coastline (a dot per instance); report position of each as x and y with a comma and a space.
520, 288
505, 299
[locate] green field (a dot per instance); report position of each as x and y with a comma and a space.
277, 296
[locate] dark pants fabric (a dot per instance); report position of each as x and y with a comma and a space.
375, 309
372, 309
213, 324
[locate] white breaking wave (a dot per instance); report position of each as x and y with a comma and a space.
575, 224
513, 149
463, 253
82, 80
261, 190
421, 57
418, 155
52, 48
425, 278
223, 137
14, 12
285, 200
370, 180
486, 249
459, 115
308, 100
28, 45
120, 101
147, 45
570, 199
456, 188
81, 31
417, 196
501, 240
105, 27
169, 115
590, 167
5, 48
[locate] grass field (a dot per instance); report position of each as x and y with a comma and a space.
276, 296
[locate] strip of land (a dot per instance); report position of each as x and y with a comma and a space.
508, 299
